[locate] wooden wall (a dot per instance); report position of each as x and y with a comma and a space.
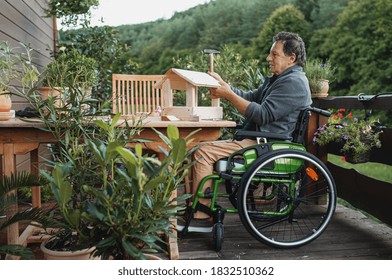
24, 21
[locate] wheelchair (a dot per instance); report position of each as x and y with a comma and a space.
285, 196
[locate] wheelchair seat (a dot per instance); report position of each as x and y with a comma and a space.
244, 157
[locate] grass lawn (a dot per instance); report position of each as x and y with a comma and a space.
377, 171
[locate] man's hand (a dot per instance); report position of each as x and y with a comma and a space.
224, 91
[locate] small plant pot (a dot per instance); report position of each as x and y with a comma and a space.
358, 158
47, 92
67, 255
5, 102
324, 88
5, 116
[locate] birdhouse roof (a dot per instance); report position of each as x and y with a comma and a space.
179, 77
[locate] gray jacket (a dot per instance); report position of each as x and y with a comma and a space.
275, 106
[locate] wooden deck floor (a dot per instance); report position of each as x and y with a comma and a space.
349, 236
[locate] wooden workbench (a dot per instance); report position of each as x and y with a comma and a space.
18, 137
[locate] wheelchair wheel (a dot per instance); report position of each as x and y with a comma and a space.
218, 233
298, 201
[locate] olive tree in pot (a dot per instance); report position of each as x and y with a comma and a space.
68, 79
122, 207
16, 65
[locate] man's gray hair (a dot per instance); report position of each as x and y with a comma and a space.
292, 44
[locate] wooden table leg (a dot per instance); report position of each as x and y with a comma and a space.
36, 191
172, 240
1, 159
9, 169
172, 243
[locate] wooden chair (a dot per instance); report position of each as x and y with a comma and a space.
135, 94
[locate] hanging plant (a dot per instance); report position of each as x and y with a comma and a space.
70, 10
356, 137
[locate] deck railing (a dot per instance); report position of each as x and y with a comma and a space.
368, 194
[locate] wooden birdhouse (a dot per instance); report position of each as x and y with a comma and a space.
178, 79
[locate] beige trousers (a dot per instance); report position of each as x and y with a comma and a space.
205, 156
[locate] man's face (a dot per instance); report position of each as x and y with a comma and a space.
278, 61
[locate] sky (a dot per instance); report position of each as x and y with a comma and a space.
118, 12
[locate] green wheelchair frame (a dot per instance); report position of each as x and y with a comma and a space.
298, 198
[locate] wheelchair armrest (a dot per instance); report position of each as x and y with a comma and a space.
255, 134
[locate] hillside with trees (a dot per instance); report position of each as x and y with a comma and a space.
219, 23
353, 35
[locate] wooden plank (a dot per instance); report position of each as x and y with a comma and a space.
16, 31
383, 102
349, 236
191, 95
195, 78
22, 21
167, 93
205, 113
34, 13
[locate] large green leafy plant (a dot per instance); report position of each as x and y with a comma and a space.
125, 205
16, 66
70, 68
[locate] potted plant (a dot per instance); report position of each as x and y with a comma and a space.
70, 11
109, 197
68, 78
319, 75
15, 64
114, 199
7, 74
355, 137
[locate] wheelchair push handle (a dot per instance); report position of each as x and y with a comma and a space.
321, 111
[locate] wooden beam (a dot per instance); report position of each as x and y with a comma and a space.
382, 102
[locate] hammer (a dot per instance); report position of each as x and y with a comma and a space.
211, 53
214, 102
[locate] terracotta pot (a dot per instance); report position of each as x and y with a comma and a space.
324, 85
152, 257
66, 255
5, 106
47, 92
5, 102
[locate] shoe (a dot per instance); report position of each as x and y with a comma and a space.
196, 225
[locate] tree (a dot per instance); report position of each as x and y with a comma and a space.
102, 44
359, 45
285, 18
310, 8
